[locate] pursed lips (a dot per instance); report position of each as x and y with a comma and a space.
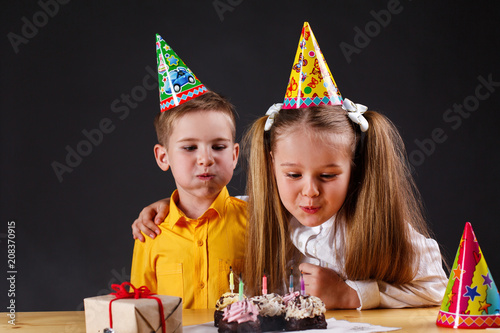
310, 209
205, 176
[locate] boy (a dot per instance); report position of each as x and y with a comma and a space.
204, 232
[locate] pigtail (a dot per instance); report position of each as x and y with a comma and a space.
267, 232
378, 245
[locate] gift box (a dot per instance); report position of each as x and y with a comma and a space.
133, 315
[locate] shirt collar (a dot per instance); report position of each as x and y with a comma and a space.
329, 223
296, 225
217, 207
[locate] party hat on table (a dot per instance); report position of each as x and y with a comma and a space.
176, 82
311, 82
471, 299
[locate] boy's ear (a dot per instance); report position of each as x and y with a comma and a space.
161, 157
236, 153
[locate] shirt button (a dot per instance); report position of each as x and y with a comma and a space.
202, 285
200, 243
300, 244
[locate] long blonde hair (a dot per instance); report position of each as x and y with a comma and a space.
382, 200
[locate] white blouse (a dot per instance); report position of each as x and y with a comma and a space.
318, 245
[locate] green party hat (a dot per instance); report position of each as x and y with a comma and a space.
176, 82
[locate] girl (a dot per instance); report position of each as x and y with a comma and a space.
347, 201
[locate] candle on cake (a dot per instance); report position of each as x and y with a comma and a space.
231, 280
302, 285
264, 284
241, 289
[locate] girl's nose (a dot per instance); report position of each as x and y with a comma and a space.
310, 189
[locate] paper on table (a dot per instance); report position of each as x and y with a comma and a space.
339, 326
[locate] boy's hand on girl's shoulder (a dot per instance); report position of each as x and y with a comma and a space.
149, 219
326, 284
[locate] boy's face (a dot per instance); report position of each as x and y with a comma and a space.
201, 154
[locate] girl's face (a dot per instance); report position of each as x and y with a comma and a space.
312, 175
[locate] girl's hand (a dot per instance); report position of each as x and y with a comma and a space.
329, 286
156, 212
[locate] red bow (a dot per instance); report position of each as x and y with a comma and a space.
141, 292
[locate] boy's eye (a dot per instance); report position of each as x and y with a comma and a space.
189, 148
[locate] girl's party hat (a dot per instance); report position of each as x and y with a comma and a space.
471, 299
311, 82
176, 82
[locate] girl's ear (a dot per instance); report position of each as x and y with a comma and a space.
161, 157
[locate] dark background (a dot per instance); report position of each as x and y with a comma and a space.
86, 64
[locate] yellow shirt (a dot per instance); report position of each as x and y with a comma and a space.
191, 257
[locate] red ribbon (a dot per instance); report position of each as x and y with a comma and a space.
141, 292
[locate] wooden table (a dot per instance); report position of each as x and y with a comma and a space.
410, 320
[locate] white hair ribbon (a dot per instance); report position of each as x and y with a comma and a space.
271, 113
355, 113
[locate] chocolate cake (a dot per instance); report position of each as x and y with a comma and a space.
304, 313
241, 316
271, 312
222, 303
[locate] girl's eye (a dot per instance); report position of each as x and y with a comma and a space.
328, 176
219, 147
293, 175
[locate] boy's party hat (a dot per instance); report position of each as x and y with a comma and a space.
471, 299
176, 82
311, 82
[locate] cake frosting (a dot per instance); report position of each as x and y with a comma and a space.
290, 297
242, 311
225, 300
269, 305
305, 307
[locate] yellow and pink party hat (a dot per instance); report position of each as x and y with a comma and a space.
176, 82
471, 299
311, 83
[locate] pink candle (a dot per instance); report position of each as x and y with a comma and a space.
264, 284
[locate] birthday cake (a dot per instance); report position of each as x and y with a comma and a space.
304, 313
271, 311
222, 303
241, 316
